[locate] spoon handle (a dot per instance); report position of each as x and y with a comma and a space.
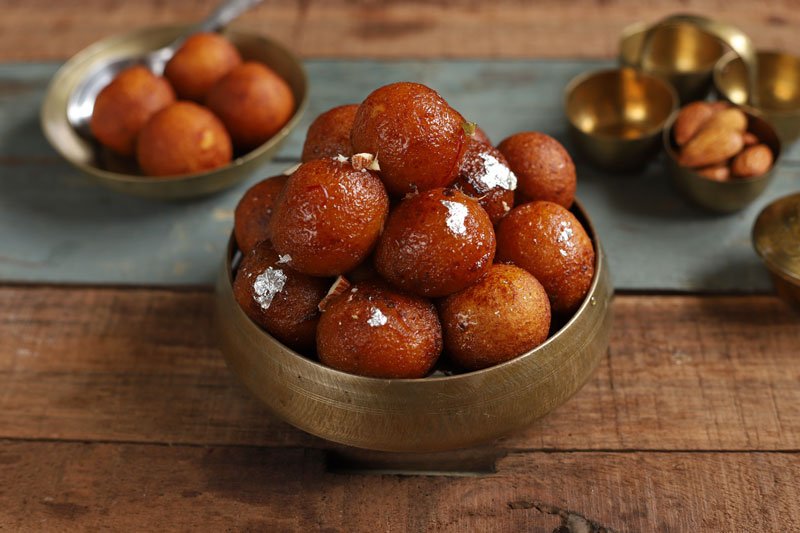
224, 13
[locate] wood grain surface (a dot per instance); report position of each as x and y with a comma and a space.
682, 373
43, 29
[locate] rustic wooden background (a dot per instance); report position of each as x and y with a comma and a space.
116, 410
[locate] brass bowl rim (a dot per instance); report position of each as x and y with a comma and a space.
581, 78
731, 56
85, 56
634, 28
599, 264
667, 141
774, 267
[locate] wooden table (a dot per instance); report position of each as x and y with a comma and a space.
117, 412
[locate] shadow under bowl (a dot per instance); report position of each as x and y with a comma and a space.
723, 196
616, 116
121, 174
778, 97
416, 415
681, 54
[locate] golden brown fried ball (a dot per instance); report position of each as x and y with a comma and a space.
201, 61
544, 169
254, 211
374, 331
503, 315
418, 138
328, 216
183, 138
436, 243
125, 105
485, 176
253, 102
329, 134
549, 242
278, 298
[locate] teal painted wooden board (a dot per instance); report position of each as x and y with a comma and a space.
56, 226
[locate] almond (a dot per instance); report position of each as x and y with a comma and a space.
730, 119
339, 287
689, 121
753, 161
716, 172
750, 139
710, 147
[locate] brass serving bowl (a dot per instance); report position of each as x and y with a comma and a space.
778, 88
722, 196
776, 238
682, 54
122, 175
616, 116
416, 415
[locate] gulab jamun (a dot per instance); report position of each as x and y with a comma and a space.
548, 241
503, 315
481, 136
328, 216
544, 169
201, 61
436, 243
278, 298
418, 138
484, 175
253, 102
124, 106
183, 138
374, 331
329, 134
254, 210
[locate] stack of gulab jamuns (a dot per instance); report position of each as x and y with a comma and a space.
405, 243
209, 105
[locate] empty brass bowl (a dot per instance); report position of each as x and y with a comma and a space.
723, 196
122, 175
682, 54
776, 238
616, 116
416, 415
778, 82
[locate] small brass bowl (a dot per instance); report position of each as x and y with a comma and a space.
682, 54
416, 415
616, 116
776, 238
778, 94
122, 175
723, 196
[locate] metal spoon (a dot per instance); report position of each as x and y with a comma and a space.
81, 102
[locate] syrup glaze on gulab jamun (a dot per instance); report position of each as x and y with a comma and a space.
328, 216
484, 175
418, 138
544, 169
329, 134
436, 243
372, 330
278, 298
254, 211
503, 315
549, 242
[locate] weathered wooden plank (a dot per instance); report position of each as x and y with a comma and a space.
122, 487
55, 226
711, 373
441, 28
